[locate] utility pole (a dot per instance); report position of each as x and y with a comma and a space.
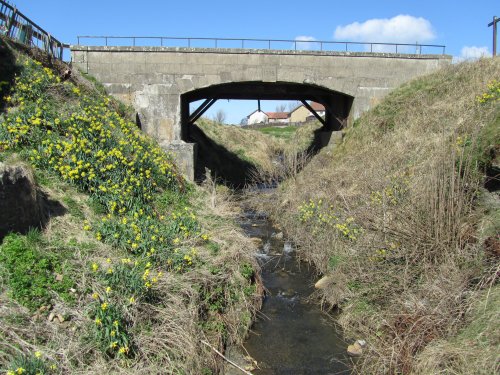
494, 24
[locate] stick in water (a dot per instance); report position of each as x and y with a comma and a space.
227, 359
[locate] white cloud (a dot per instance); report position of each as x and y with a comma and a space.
398, 29
473, 53
306, 42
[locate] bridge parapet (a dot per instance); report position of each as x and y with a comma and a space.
265, 44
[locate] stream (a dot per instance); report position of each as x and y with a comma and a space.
291, 334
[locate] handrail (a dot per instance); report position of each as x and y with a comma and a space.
17, 26
321, 45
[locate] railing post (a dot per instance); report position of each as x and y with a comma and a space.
106, 38
11, 22
396, 48
133, 41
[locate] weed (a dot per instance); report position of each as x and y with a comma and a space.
110, 329
32, 364
247, 271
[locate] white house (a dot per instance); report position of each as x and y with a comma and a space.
257, 117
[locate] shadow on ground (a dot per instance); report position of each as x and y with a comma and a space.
8, 70
223, 165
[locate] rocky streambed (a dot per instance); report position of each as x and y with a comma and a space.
291, 334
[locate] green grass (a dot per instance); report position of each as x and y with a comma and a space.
31, 272
285, 132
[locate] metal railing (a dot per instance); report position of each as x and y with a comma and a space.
17, 26
268, 44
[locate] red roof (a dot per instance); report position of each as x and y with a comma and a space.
317, 106
277, 115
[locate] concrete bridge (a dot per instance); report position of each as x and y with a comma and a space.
161, 82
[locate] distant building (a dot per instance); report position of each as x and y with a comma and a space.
278, 117
302, 114
257, 117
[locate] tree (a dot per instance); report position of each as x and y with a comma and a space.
220, 116
281, 107
293, 105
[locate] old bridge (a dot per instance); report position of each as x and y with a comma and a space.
160, 82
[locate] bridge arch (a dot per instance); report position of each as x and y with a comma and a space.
337, 105
222, 163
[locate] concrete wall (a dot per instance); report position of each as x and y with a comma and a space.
152, 79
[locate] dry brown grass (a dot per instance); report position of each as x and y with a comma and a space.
249, 145
168, 334
275, 158
404, 177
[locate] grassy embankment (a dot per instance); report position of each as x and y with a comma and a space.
276, 153
399, 222
138, 271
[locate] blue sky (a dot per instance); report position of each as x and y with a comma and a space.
461, 25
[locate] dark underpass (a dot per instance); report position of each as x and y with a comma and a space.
225, 165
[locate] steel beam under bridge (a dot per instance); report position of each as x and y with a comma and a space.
337, 104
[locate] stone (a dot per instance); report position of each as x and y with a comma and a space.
20, 201
59, 277
361, 343
60, 318
256, 240
323, 282
354, 350
279, 235
44, 308
51, 317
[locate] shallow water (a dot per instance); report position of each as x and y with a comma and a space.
291, 335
